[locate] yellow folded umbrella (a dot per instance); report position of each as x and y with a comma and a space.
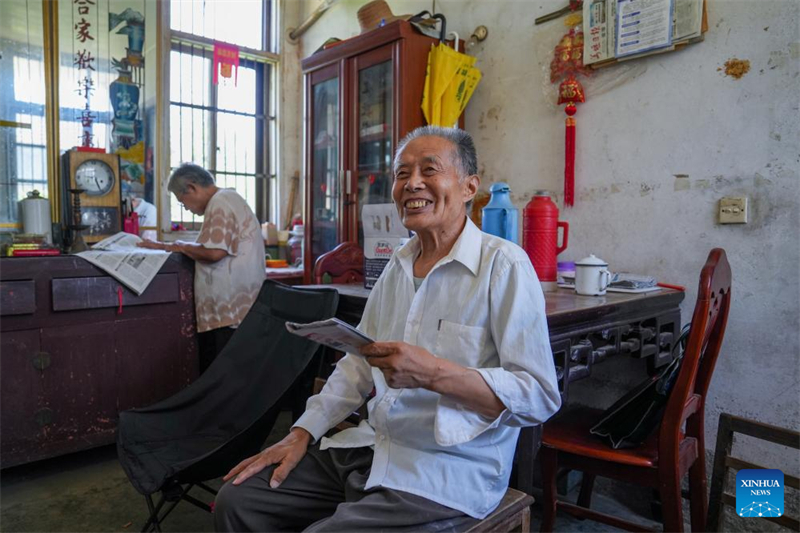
450, 81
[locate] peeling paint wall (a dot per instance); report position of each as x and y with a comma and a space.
290, 109
659, 141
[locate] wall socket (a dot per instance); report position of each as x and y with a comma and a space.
733, 210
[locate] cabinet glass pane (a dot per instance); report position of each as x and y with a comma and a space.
325, 182
374, 137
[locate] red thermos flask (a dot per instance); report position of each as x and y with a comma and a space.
540, 237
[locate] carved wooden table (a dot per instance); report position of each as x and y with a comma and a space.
584, 331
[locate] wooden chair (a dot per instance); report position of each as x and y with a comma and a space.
512, 514
671, 452
343, 264
723, 460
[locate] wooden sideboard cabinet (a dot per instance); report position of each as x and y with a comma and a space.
362, 97
72, 357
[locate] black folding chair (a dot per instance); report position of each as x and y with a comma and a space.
203, 431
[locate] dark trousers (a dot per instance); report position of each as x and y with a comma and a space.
325, 492
210, 343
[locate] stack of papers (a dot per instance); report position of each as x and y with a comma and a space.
623, 280
620, 282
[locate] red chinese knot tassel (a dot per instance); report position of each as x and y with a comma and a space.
570, 92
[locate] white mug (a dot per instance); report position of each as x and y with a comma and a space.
591, 276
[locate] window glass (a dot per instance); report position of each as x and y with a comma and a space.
23, 157
236, 143
224, 126
241, 96
238, 22
189, 80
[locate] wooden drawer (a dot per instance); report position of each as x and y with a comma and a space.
70, 294
18, 297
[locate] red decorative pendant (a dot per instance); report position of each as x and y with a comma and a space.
570, 92
226, 58
566, 63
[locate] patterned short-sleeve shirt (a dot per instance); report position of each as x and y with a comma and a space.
224, 291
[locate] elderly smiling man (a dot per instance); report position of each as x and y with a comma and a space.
462, 361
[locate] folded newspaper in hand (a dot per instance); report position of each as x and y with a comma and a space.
132, 266
332, 333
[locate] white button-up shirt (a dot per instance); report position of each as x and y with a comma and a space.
480, 306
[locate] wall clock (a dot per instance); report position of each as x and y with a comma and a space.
97, 173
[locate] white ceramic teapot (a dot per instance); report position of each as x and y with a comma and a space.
591, 276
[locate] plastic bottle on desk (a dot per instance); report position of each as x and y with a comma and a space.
295, 245
500, 217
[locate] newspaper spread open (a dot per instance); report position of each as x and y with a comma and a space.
332, 333
132, 266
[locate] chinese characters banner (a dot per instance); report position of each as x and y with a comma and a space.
107, 84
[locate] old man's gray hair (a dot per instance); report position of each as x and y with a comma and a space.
466, 158
189, 173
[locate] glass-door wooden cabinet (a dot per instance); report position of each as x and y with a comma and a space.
362, 96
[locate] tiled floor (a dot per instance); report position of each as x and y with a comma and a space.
89, 491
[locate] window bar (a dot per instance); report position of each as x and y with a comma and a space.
272, 123
222, 110
187, 216
213, 140
262, 138
245, 53
213, 20
184, 213
30, 80
191, 115
265, 33
181, 141
258, 175
270, 126
236, 159
180, 111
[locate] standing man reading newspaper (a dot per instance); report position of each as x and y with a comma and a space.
461, 362
229, 256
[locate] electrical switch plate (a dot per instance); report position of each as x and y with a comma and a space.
733, 210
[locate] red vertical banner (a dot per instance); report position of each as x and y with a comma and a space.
569, 157
226, 57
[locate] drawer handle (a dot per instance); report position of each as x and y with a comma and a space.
43, 417
40, 361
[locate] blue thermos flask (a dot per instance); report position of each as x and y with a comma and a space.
500, 217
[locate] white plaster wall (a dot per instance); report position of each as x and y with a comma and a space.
290, 125
643, 123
